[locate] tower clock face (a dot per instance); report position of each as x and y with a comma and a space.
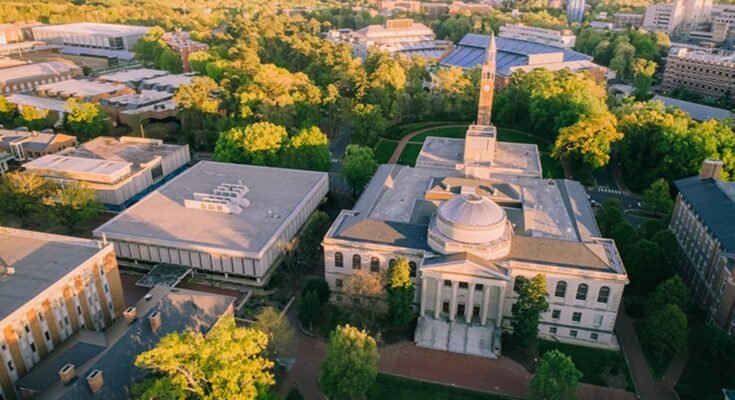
486, 88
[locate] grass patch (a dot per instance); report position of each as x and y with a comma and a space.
410, 154
397, 132
599, 367
396, 388
551, 167
383, 150
505, 135
456, 132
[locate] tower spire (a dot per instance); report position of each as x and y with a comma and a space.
487, 85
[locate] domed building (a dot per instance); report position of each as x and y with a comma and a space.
471, 217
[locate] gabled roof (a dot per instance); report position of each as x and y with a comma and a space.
466, 264
560, 252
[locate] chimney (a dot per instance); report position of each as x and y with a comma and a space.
155, 320
67, 373
711, 169
95, 381
130, 314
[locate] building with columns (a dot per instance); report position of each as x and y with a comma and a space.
471, 217
52, 287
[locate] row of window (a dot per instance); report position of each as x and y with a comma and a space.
374, 263
574, 333
603, 295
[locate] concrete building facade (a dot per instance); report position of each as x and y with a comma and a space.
53, 286
681, 15
702, 224
557, 38
25, 78
120, 170
24, 146
710, 74
575, 10
91, 35
472, 217
625, 20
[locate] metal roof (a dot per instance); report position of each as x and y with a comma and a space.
698, 112
470, 52
715, 206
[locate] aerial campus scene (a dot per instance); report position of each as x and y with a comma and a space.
367, 199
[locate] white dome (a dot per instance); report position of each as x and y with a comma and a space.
471, 210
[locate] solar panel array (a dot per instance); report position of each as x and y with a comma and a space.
470, 52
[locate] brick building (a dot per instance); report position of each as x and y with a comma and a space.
709, 74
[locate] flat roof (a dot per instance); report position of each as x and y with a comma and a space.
80, 87
43, 103
170, 80
161, 217
132, 75
698, 112
32, 140
37, 70
39, 260
91, 28
88, 169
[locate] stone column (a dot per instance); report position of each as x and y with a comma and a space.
470, 307
424, 288
438, 299
453, 301
485, 304
501, 300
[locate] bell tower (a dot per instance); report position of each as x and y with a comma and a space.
487, 85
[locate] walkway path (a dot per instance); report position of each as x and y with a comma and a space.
402, 144
674, 370
647, 387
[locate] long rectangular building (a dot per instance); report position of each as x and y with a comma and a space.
709, 74
52, 286
25, 78
91, 35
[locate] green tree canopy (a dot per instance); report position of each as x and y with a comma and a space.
227, 363
643, 71
556, 378
359, 167
665, 331
351, 365
308, 149
281, 336
368, 124
153, 50
21, 196
589, 140
72, 204
657, 198
33, 118
318, 286
259, 143
671, 291
609, 216
400, 292
7, 112
529, 306
84, 120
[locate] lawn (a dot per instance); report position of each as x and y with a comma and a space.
397, 132
458, 133
383, 150
410, 154
599, 367
395, 388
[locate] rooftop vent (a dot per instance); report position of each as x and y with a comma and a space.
130, 314
155, 320
67, 373
95, 381
226, 198
148, 297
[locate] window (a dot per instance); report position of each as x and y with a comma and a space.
338, 260
573, 333
338, 283
555, 314
447, 282
40, 316
582, 292
356, 261
157, 172
603, 295
412, 267
27, 328
79, 310
598, 320
561, 289
11, 366
107, 289
47, 336
552, 330
374, 264
479, 287
463, 285
577, 317
33, 347
594, 336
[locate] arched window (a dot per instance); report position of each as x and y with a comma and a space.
356, 262
603, 295
338, 260
374, 264
412, 267
582, 292
561, 289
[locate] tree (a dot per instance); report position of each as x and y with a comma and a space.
33, 118
609, 216
280, 333
364, 290
198, 107
671, 291
657, 198
359, 167
645, 265
529, 306
73, 203
21, 196
589, 139
318, 286
310, 307
84, 120
308, 149
169, 61
152, 49
400, 292
351, 365
368, 124
259, 144
665, 332
227, 363
556, 378
625, 235
643, 71
7, 112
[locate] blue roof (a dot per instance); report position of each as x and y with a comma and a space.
714, 202
470, 52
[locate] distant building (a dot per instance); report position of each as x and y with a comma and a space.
698, 112
91, 35
101, 365
625, 20
183, 45
710, 74
133, 110
397, 37
601, 25
459, 7
86, 90
575, 10
25, 78
387, 7
167, 83
703, 225
228, 220
558, 38
25, 146
723, 25
519, 55
52, 287
681, 15
56, 109
17, 32
435, 10
120, 170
